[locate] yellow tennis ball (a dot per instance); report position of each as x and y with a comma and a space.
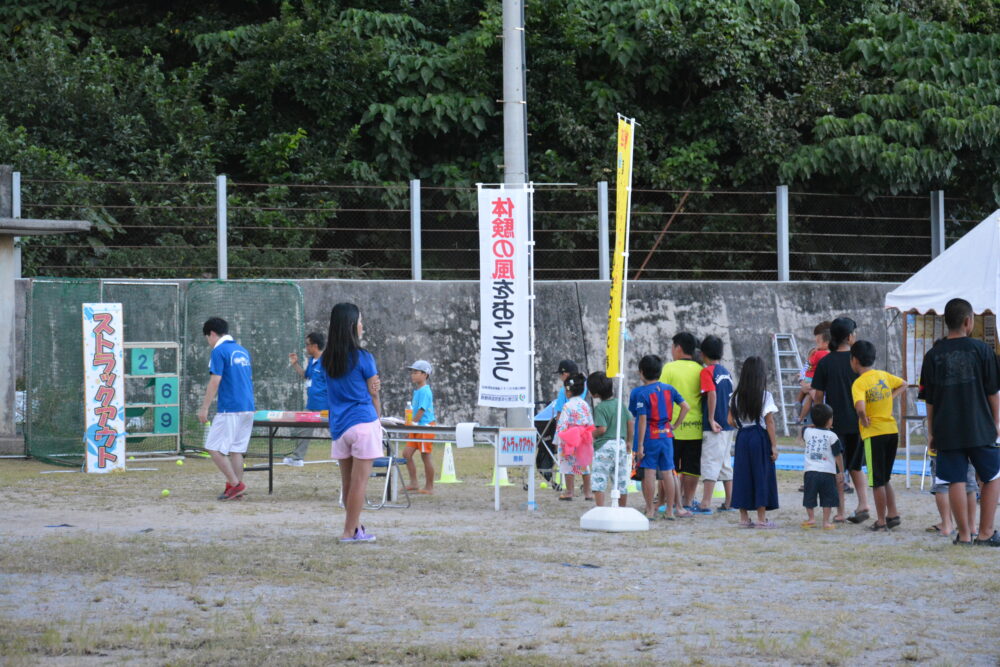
165, 492
180, 462
131, 458
543, 485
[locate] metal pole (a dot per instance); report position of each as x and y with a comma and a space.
222, 244
784, 274
8, 360
415, 249
515, 106
16, 213
602, 231
937, 223
515, 132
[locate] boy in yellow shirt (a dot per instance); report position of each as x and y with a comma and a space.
873, 393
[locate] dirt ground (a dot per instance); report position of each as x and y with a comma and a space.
138, 578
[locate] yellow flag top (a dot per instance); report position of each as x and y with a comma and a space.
623, 192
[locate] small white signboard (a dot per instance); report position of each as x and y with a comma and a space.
104, 387
516, 447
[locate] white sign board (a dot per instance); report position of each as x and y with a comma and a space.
504, 298
516, 447
104, 387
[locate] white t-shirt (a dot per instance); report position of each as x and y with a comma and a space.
768, 408
822, 447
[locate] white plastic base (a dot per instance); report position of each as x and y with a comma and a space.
614, 520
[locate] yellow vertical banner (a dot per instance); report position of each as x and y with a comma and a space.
623, 192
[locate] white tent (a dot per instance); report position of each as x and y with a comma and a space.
969, 269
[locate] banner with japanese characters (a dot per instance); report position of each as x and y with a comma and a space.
623, 194
104, 387
505, 367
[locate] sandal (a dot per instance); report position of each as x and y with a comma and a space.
808, 524
685, 514
893, 521
830, 527
746, 524
768, 524
565, 497
879, 527
839, 519
859, 517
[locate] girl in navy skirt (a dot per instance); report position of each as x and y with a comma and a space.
751, 410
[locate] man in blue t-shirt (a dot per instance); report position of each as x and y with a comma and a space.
231, 378
315, 379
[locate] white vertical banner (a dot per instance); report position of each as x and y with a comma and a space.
505, 368
104, 387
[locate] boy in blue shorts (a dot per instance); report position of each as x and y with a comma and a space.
654, 406
961, 385
231, 378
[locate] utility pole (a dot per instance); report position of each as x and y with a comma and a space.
515, 131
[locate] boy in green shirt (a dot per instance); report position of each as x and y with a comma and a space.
612, 440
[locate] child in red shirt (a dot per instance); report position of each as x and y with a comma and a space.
821, 333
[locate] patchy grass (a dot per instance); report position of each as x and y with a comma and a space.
188, 580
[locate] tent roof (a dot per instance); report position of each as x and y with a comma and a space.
969, 269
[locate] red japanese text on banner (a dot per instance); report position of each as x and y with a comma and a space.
104, 387
504, 283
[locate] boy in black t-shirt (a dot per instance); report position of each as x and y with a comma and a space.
832, 384
961, 384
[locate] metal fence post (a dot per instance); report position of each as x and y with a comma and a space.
937, 223
784, 272
415, 249
16, 213
603, 243
222, 244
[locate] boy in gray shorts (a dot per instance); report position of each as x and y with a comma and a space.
939, 488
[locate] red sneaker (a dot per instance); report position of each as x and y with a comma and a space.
236, 491
225, 494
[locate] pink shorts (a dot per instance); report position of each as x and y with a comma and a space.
361, 441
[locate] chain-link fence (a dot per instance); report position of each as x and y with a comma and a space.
171, 230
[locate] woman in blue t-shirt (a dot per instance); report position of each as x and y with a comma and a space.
352, 397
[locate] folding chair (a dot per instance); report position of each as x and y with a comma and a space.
385, 467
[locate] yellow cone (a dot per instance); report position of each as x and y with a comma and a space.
503, 477
448, 467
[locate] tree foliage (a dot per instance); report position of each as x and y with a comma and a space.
857, 96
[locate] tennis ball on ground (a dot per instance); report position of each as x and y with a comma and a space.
165, 492
543, 485
180, 462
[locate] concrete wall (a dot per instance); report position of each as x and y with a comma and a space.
438, 321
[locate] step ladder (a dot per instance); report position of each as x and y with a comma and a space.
787, 368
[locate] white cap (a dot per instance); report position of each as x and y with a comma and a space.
421, 365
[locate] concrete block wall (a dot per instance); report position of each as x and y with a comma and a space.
439, 321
